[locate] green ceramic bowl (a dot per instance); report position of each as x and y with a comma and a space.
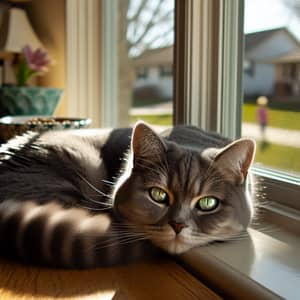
29, 101
12, 126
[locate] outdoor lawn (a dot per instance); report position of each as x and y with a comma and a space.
273, 155
163, 120
277, 117
279, 157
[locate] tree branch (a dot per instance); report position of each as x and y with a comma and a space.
144, 46
151, 23
135, 17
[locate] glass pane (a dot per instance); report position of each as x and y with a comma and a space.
145, 61
271, 110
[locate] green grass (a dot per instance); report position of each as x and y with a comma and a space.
278, 157
147, 102
277, 118
164, 120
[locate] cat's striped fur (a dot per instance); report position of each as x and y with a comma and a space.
56, 206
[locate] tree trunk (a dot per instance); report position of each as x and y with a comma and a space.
126, 73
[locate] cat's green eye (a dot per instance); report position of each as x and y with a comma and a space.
207, 203
159, 195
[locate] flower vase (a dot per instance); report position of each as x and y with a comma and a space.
30, 101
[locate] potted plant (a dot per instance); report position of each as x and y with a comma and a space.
29, 100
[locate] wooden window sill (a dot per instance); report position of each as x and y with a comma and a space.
152, 280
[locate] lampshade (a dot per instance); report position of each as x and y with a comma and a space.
18, 32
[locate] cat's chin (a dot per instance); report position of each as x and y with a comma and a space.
175, 246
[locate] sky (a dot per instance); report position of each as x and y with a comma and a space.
267, 14
259, 15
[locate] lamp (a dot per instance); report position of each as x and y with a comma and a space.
16, 97
16, 32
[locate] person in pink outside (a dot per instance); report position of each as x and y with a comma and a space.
262, 115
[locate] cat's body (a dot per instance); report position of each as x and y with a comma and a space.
66, 200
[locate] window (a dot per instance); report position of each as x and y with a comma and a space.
143, 43
141, 73
221, 83
214, 71
166, 71
249, 67
215, 101
273, 44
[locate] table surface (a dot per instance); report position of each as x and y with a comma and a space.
141, 281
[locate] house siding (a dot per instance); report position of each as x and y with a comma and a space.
163, 85
262, 81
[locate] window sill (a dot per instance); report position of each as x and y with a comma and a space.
261, 266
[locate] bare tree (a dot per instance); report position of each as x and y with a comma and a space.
143, 24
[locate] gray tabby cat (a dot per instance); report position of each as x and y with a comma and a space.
81, 201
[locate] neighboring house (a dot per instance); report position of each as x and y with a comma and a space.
287, 75
154, 74
154, 67
260, 48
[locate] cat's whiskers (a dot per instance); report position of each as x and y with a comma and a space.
285, 187
108, 182
107, 204
91, 185
118, 242
244, 235
93, 208
113, 243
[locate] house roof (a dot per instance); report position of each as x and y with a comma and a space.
291, 57
252, 40
164, 55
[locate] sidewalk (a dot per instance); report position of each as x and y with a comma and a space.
274, 135
154, 110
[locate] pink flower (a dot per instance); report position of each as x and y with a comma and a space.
37, 60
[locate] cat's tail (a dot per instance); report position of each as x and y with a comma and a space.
56, 236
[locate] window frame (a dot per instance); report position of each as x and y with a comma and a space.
219, 269
216, 102
84, 59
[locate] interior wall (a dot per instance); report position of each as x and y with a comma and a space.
48, 20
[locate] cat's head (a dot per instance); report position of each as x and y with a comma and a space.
182, 198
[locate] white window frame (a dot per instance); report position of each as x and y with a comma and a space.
84, 59
219, 65
202, 80
208, 89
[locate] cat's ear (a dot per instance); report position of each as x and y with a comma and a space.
145, 142
234, 160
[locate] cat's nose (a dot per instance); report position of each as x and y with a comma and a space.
177, 227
